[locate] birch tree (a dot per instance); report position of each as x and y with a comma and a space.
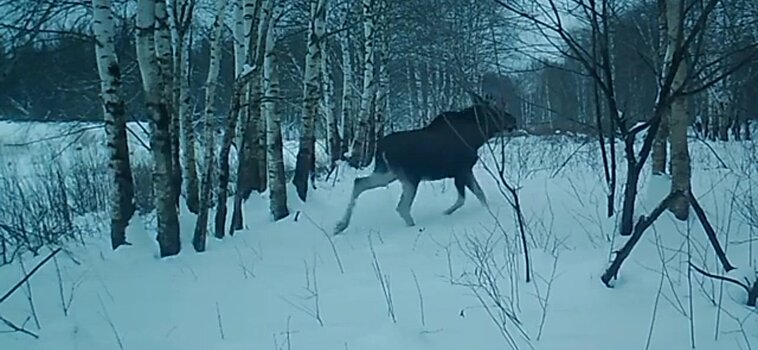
306, 157
238, 91
679, 118
160, 133
122, 190
248, 174
251, 128
209, 114
334, 142
222, 191
256, 121
359, 156
348, 82
422, 81
383, 91
660, 145
182, 13
243, 23
276, 179
249, 169
238, 34
414, 108
164, 56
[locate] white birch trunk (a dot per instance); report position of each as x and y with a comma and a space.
306, 157
209, 114
680, 158
182, 17
660, 144
332, 127
238, 33
276, 179
348, 82
419, 94
240, 59
122, 189
247, 172
383, 91
382, 85
358, 154
236, 129
437, 89
724, 89
165, 57
250, 172
260, 123
253, 166
160, 135
413, 107
444, 95
250, 11
245, 162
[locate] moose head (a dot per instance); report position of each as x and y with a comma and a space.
491, 116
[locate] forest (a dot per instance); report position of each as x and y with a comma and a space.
180, 138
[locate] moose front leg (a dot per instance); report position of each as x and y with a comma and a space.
406, 200
473, 185
460, 186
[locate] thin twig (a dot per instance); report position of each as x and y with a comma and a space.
16, 328
61, 293
30, 297
384, 281
655, 312
722, 278
110, 323
420, 298
220, 323
331, 242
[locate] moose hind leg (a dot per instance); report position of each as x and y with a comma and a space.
460, 186
406, 200
360, 185
473, 185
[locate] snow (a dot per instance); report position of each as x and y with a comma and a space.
246, 69
264, 287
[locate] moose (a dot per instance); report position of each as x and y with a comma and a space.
446, 148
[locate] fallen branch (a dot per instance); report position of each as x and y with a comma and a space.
29, 275
710, 232
752, 292
642, 224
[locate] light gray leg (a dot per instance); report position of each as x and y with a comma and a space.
406, 200
460, 186
361, 185
473, 185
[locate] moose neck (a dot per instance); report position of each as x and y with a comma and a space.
481, 129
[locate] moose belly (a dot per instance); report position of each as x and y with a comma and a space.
430, 162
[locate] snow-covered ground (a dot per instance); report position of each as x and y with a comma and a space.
451, 282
